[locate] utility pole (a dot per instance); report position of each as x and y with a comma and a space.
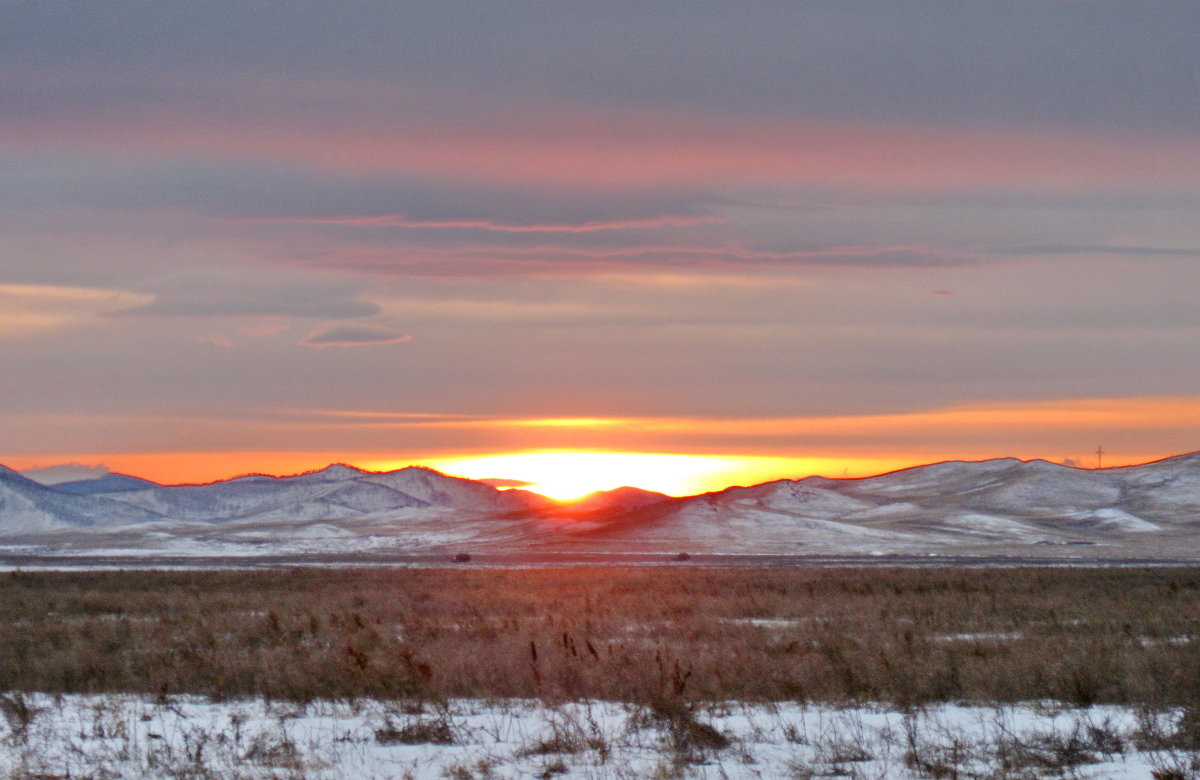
1099, 457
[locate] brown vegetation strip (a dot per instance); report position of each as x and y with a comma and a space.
644, 635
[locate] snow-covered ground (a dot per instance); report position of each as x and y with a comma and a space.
122, 736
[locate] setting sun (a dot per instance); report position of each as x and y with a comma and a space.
568, 474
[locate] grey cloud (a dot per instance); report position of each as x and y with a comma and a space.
1106, 63
829, 343
354, 336
858, 331
244, 193
65, 472
1093, 249
291, 213
215, 294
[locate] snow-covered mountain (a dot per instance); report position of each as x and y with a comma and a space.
337, 509
437, 489
330, 494
334, 493
618, 499
109, 483
28, 506
1002, 506
1001, 503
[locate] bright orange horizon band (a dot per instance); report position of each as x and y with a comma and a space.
705, 453
558, 474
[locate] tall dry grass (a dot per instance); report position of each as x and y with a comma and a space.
658, 636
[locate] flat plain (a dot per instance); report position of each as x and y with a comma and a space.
674, 646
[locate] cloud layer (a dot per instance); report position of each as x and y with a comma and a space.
354, 336
213, 212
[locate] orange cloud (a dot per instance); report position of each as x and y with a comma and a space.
1132, 430
31, 308
1111, 414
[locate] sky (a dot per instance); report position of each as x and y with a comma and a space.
678, 245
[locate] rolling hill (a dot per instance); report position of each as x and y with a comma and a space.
999, 507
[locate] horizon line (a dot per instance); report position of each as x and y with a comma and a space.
523, 487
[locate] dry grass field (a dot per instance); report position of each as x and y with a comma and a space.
904, 636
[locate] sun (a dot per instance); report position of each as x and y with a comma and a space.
565, 475
570, 474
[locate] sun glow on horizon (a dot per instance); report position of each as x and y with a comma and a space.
570, 456
565, 475
560, 473
571, 474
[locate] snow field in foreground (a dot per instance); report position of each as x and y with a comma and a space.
118, 736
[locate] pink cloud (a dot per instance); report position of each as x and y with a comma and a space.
400, 220
216, 340
354, 336
486, 260
556, 145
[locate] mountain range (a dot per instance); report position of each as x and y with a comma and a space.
999, 507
